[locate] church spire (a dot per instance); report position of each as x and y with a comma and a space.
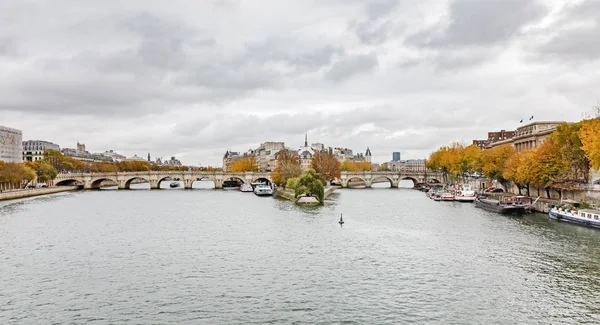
306, 139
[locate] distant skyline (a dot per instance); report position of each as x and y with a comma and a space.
190, 79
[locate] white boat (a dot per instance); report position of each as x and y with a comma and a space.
587, 217
263, 190
246, 188
465, 194
447, 196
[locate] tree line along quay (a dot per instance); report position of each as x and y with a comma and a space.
560, 165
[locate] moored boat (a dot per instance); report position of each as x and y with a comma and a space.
263, 190
465, 194
506, 205
174, 184
246, 188
586, 217
447, 196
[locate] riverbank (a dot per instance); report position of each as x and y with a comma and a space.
541, 205
303, 200
20, 194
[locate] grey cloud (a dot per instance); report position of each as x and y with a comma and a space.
576, 36
378, 24
352, 65
481, 23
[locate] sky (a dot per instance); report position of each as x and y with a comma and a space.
193, 78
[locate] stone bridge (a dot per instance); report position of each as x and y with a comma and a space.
393, 178
125, 179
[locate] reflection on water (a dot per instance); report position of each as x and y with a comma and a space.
227, 257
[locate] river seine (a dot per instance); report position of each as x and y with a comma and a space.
226, 257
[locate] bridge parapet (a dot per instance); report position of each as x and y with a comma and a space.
124, 179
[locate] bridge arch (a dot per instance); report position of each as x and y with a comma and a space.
354, 179
235, 178
262, 180
68, 182
128, 182
96, 183
380, 177
170, 178
204, 182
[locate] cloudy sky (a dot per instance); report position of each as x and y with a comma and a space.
193, 78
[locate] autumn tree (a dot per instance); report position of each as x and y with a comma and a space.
383, 167
349, 166
44, 170
590, 140
326, 165
287, 167
568, 146
493, 162
245, 164
363, 166
548, 167
519, 169
16, 173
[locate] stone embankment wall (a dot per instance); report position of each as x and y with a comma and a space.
35, 192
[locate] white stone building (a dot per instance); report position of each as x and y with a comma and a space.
11, 145
33, 150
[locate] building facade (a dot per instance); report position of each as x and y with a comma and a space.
396, 156
11, 145
494, 138
533, 135
33, 150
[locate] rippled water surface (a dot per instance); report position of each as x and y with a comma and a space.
226, 257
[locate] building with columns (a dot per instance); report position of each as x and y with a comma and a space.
532, 135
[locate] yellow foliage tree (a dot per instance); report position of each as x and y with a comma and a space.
590, 141
288, 167
493, 161
326, 165
245, 164
363, 166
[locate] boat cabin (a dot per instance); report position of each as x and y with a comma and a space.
516, 200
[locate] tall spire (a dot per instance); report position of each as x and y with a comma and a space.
306, 139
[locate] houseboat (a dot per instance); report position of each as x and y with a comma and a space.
569, 213
506, 205
263, 190
465, 194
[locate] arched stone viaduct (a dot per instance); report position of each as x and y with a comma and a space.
124, 179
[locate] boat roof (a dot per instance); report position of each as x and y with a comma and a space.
520, 196
590, 211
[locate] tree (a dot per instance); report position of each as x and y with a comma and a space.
310, 184
567, 143
245, 164
519, 169
494, 160
363, 166
15, 173
349, 166
589, 135
326, 165
548, 166
287, 167
44, 170
54, 158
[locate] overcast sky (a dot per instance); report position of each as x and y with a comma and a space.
193, 78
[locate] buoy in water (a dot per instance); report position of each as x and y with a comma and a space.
341, 222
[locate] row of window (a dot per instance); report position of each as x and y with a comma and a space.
590, 216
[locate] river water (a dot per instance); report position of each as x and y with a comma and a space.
226, 257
